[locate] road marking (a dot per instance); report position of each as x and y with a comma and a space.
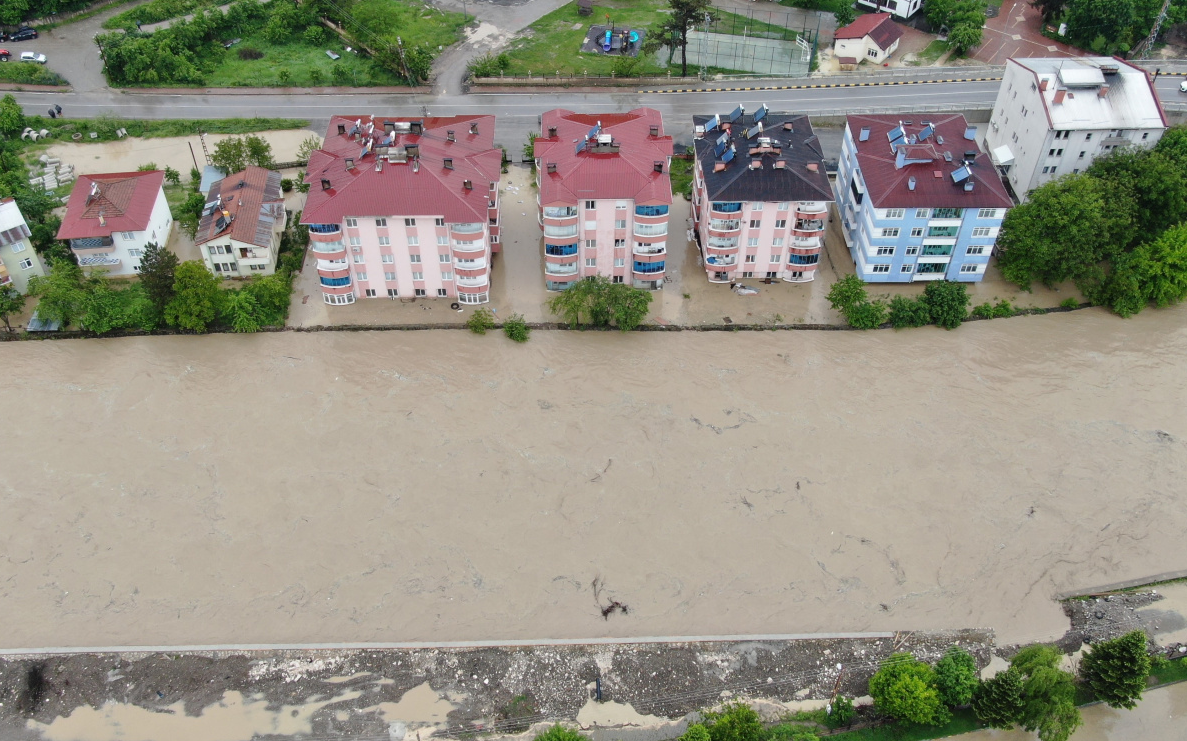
828, 85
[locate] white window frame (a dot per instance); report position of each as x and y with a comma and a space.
381, 221
352, 222
890, 231
882, 268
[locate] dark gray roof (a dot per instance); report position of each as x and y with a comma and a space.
793, 181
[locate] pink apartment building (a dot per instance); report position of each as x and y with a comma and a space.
605, 193
760, 196
405, 207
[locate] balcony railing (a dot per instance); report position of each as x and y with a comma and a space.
651, 230
718, 225
478, 246
661, 210
471, 228
560, 250
333, 265
809, 225
727, 208
717, 261
560, 231
90, 243
327, 246
812, 207
723, 243
325, 228
567, 268
560, 212
648, 267
472, 281
650, 249
470, 264
91, 261
334, 282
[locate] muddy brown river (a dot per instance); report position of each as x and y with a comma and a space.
440, 486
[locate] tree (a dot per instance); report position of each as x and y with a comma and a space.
841, 713
12, 119
173, 176
1116, 670
845, 15
997, 701
11, 302
157, 267
107, 308
1101, 25
736, 721
241, 311
516, 329
560, 733
419, 60
848, 291
62, 292
271, 294
230, 155
480, 321
686, 15
956, 677
308, 146
259, 151
1161, 267
696, 732
1154, 183
197, 297
189, 213
947, 303
627, 305
964, 36
602, 303
908, 312
1048, 694
1049, 8
905, 689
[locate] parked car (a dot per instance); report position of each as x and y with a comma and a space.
1183, 86
23, 34
4, 55
32, 56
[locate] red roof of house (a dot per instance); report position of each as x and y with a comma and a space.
628, 173
929, 162
101, 205
880, 27
378, 185
250, 204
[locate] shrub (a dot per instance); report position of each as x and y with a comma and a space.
558, 732
848, 291
736, 721
696, 732
867, 315
905, 689
516, 328
284, 76
792, 732
956, 677
997, 702
490, 65
249, 53
314, 35
1003, 309
842, 712
908, 312
173, 176
983, 311
147, 167
1069, 303
286, 185
315, 76
946, 302
480, 321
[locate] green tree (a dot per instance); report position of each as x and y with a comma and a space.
307, 147
1112, 20
1048, 694
696, 732
189, 213
601, 303
905, 689
947, 302
627, 305
867, 315
685, 16
956, 677
1161, 267
12, 302
259, 151
106, 308
1116, 670
908, 312
480, 321
736, 721
173, 176
516, 328
965, 36
420, 62
841, 713
12, 119
272, 295
157, 266
1049, 8
845, 15
197, 297
62, 292
241, 311
1155, 185
230, 155
1173, 145
847, 292
997, 701
560, 733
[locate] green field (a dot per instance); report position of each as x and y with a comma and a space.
414, 22
963, 721
155, 12
306, 65
29, 73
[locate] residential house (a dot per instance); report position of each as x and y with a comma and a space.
872, 37
1053, 117
239, 232
405, 207
760, 196
18, 261
111, 217
918, 198
604, 196
897, 8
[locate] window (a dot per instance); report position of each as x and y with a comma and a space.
755, 223
355, 241
620, 204
776, 258
414, 259
352, 222
937, 250
393, 293
895, 213
890, 231
418, 276
26, 263
358, 259
803, 259
772, 273
781, 223
973, 268
916, 231
619, 262
1088, 137
442, 240
752, 242
591, 244
590, 204
412, 240
419, 292
442, 258
921, 213
442, 293
872, 53
131, 253
360, 276
910, 268
912, 249
756, 206
620, 224
1145, 136
619, 243
436, 222
387, 258
885, 251
370, 292
975, 250
947, 213
751, 258
446, 275
18, 246
385, 241
880, 268
745, 274
982, 231
777, 242
383, 222
407, 222
335, 299
126, 235
616, 279
987, 213
389, 276
591, 262
784, 206
253, 267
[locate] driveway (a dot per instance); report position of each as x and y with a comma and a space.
70, 50
1015, 32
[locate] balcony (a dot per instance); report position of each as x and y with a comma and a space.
650, 249
720, 261
332, 265
812, 207
327, 246
479, 264
727, 208
560, 250
719, 225
474, 281
91, 243
809, 225
722, 244
324, 228
334, 282
91, 261
560, 231
648, 268
478, 245
805, 243
561, 268
560, 212
651, 230
470, 228
660, 210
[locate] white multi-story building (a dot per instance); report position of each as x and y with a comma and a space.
110, 218
405, 208
1054, 116
239, 233
18, 261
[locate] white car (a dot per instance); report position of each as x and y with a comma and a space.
32, 56
1183, 86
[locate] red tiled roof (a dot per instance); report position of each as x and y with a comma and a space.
426, 188
880, 27
124, 201
251, 201
628, 173
889, 186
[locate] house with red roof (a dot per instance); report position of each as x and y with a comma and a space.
239, 231
405, 207
605, 193
918, 198
111, 217
872, 37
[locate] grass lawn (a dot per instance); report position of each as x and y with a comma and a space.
29, 73
963, 721
681, 174
306, 65
934, 51
414, 22
1174, 671
553, 43
155, 12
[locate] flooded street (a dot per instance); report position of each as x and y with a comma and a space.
439, 486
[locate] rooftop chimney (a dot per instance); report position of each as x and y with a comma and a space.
911, 183
1104, 90
389, 126
718, 167
655, 131
1043, 84
416, 127
468, 185
813, 167
449, 135
755, 164
349, 163
325, 184
551, 132
552, 167
449, 163
474, 128
1059, 94
341, 128
658, 165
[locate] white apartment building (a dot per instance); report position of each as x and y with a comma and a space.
18, 261
111, 217
1053, 117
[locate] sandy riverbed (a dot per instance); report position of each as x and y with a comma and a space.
126, 155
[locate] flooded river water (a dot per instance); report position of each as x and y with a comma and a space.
439, 486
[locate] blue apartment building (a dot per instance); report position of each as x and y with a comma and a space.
918, 199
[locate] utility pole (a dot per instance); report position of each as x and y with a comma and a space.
704, 71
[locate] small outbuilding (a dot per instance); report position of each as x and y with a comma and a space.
873, 37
